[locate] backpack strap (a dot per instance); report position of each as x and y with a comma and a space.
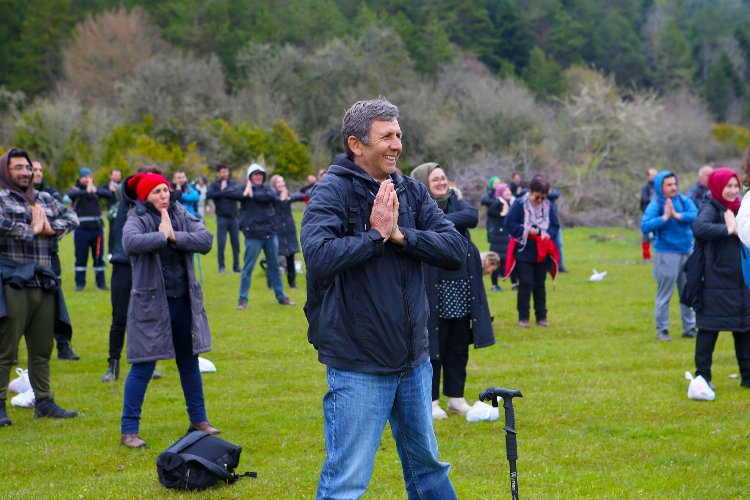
216, 469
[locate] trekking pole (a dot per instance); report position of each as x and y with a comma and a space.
510, 432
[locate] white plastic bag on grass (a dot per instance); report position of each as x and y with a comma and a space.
205, 365
699, 388
482, 412
20, 384
24, 400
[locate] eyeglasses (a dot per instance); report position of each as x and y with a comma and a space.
435, 180
20, 167
540, 197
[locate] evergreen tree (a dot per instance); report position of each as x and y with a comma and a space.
674, 62
617, 49
544, 75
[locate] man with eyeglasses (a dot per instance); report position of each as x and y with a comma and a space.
29, 222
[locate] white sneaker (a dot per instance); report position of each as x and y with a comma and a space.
437, 412
458, 405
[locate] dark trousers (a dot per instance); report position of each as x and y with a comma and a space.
231, 225
187, 364
32, 317
455, 335
704, 350
121, 282
531, 277
89, 241
291, 271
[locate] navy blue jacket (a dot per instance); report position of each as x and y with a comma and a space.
225, 206
496, 233
464, 217
514, 226
286, 230
366, 304
257, 213
726, 299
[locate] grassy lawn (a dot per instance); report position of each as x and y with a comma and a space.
604, 412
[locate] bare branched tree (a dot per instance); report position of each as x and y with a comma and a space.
104, 50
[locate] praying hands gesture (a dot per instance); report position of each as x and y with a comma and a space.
384, 215
669, 211
39, 221
730, 221
248, 189
165, 226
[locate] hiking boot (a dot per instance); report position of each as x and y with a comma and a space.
437, 412
132, 441
4, 420
204, 426
690, 334
155, 376
664, 336
286, 302
48, 408
292, 282
102, 287
79, 288
458, 405
241, 305
542, 322
524, 323
113, 372
65, 351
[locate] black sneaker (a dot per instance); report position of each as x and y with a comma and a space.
664, 336
48, 408
4, 420
690, 334
79, 288
65, 351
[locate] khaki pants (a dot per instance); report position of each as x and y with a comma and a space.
31, 314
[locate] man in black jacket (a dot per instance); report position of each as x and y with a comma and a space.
365, 235
64, 348
258, 224
226, 216
89, 236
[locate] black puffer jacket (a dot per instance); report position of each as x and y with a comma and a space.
366, 302
464, 217
225, 206
726, 299
87, 205
496, 233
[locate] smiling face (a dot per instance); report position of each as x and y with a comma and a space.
537, 198
257, 178
438, 183
731, 190
378, 158
20, 172
159, 196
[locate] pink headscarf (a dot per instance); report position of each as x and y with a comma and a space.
500, 189
717, 181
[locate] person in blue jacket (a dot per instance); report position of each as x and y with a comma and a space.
189, 196
365, 236
669, 216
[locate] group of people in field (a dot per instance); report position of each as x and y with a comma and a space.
395, 290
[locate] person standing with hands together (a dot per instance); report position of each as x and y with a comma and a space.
166, 317
365, 235
669, 216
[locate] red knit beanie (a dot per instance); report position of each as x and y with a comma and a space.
143, 184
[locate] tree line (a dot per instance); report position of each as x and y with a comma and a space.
591, 92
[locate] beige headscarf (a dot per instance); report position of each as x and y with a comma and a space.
422, 174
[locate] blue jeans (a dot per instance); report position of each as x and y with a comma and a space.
187, 364
356, 408
270, 247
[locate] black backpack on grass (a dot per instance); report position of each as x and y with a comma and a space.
198, 461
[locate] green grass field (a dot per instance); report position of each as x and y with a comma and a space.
604, 413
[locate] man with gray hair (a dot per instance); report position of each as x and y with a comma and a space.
365, 235
699, 193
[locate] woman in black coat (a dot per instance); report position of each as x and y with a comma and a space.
725, 298
498, 199
286, 230
459, 313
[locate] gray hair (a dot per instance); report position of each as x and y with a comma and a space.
359, 117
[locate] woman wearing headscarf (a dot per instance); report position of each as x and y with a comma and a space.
166, 318
725, 300
497, 199
532, 223
459, 313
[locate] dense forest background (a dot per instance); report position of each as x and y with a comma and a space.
590, 92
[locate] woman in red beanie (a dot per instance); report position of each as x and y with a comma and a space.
166, 318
